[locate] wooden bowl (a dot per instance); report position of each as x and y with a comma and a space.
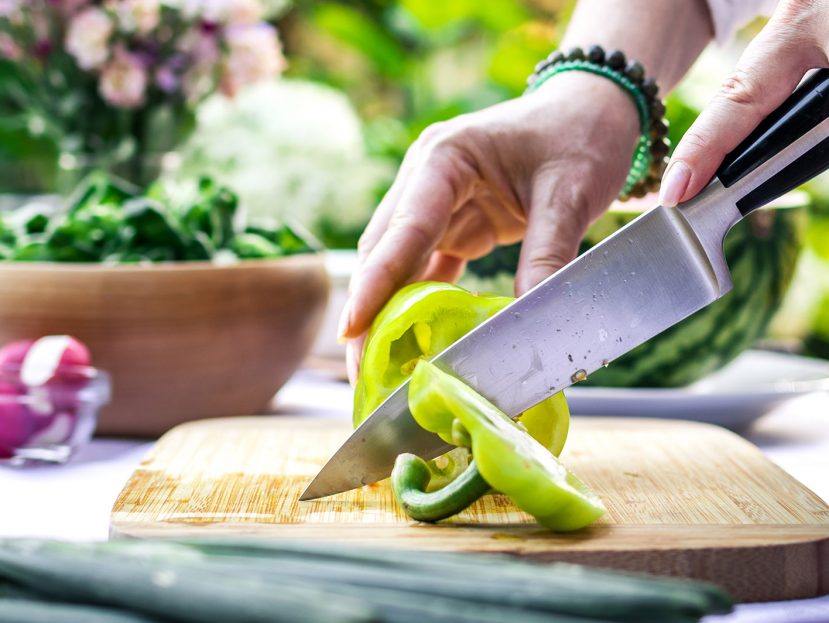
181, 341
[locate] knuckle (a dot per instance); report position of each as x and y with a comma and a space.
548, 262
416, 230
741, 88
436, 134
795, 11
364, 245
385, 272
695, 140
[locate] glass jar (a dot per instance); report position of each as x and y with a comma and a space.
49, 421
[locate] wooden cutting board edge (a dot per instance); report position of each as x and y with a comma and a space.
791, 560
793, 564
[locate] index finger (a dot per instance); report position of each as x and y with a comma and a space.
415, 228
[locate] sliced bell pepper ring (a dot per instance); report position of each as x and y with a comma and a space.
507, 458
419, 322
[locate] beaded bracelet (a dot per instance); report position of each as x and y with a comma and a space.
651, 155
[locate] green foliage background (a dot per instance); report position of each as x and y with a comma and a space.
410, 63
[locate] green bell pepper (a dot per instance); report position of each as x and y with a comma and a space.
507, 458
412, 478
419, 322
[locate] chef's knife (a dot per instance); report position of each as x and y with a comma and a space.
649, 275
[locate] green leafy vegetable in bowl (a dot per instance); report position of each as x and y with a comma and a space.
106, 220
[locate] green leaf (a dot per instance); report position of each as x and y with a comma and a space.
99, 188
817, 238
516, 53
152, 231
354, 29
253, 246
34, 251
214, 213
680, 115
88, 234
199, 247
496, 15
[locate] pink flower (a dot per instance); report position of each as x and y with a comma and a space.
8, 48
199, 80
67, 7
124, 80
139, 16
166, 79
88, 36
254, 54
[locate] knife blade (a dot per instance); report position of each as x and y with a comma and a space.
649, 275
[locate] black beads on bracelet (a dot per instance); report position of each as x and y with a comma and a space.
651, 156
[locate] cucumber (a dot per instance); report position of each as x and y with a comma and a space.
25, 611
259, 580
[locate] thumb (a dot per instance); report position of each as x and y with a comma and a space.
769, 70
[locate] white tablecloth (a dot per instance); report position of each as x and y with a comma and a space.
73, 501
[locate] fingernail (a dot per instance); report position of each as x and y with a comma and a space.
345, 320
674, 183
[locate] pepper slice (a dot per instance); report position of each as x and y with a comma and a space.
508, 458
419, 322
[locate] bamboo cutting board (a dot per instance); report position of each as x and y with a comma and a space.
683, 499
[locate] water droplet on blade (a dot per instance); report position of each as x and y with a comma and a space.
579, 375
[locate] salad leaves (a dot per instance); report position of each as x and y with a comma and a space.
107, 220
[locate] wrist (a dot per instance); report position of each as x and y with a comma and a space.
599, 97
607, 115
652, 147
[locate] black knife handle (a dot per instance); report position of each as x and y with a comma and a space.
806, 108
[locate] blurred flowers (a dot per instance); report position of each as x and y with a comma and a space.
139, 16
254, 55
295, 152
88, 37
114, 83
124, 80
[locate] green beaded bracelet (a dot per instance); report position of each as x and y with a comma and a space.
645, 171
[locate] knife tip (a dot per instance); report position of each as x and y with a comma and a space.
309, 494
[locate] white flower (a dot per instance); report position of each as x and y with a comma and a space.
139, 16
124, 80
88, 36
227, 11
243, 11
254, 54
294, 150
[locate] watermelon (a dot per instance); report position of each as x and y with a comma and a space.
761, 252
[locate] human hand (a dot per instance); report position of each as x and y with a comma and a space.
795, 40
539, 168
